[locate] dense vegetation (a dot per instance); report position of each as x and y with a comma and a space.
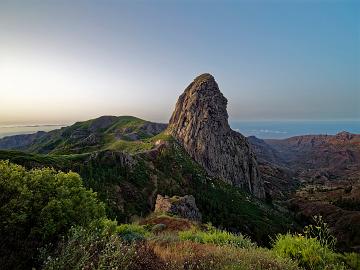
37, 208
49, 220
130, 190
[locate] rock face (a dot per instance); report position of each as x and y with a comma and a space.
200, 124
184, 207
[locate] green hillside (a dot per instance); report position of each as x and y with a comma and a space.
51, 221
128, 184
94, 135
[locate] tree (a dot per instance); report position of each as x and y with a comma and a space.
37, 207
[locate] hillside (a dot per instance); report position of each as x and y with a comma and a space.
129, 161
328, 169
70, 230
129, 183
105, 132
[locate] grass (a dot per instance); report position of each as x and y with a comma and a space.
190, 255
308, 252
135, 147
85, 249
217, 237
132, 232
131, 147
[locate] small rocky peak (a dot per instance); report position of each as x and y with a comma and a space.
202, 104
200, 123
344, 135
184, 207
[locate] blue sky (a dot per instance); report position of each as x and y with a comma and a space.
63, 61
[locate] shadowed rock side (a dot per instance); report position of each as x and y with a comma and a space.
184, 207
200, 124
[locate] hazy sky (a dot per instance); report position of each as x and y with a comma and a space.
63, 61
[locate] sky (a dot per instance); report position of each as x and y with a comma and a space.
66, 61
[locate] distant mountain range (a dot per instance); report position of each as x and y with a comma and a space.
323, 173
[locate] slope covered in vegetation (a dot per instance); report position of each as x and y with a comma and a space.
87, 136
129, 183
50, 221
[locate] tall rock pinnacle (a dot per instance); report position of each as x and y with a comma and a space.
200, 124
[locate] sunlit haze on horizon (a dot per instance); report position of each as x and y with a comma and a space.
67, 61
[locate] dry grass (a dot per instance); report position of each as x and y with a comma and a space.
172, 224
190, 255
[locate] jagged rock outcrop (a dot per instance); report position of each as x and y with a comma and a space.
184, 207
200, 124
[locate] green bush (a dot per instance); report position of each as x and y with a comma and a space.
132, 232
320, 231
89, 249
308, 252
216, 237
37, 207
353, 260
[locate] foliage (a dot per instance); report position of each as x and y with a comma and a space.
222, 204
353, 260
37, 207
129, 191
132, 232
217, 237
320, 231
308, 252
131, 146
85, 249
352, 204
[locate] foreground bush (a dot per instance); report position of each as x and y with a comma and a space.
352, 260
308, 252
216, 237
92, 249
37, 207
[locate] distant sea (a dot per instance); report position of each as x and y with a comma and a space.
9, 130
260, 129
286, 129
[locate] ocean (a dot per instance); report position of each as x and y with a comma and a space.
260, 129
286, 129
9, 130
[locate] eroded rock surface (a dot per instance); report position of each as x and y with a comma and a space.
200, 124
184, 207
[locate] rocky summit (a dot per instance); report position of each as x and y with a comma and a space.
200, 123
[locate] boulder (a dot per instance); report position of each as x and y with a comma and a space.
184, 207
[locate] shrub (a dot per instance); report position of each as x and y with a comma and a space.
92, 249
320, 231
132, 232
217, 237
352, 260
37, 207
308, 252
89, 249
158, 228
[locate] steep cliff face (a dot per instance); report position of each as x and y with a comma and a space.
200, 124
